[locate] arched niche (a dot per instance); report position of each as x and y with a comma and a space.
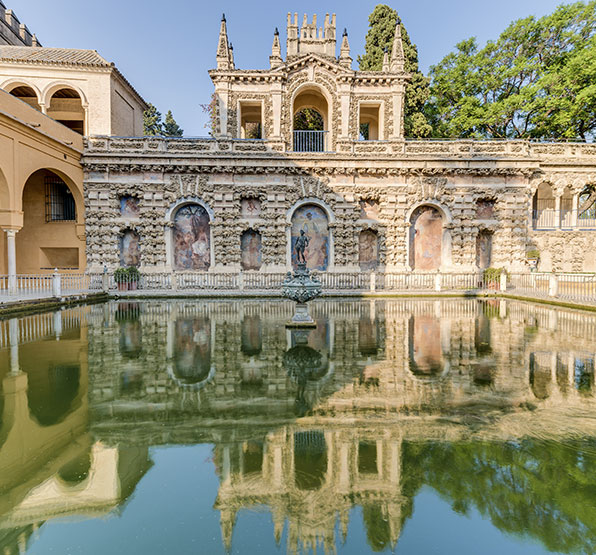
484, 248
76, 470
543, 206
25, 93
314, 221
567, 207
191, 237
49, 238
192, 351
130, 248
66, 107
427, 244
368, 250
250, 250
586, 216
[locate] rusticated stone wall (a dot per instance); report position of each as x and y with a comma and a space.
475, 189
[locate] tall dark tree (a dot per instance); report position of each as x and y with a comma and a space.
538, 80
170, 127
382, 23
152, 121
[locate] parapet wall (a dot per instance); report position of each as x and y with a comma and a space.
12, 31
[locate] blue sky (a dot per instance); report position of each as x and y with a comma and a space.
166, 48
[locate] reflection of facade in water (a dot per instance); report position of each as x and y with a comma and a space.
49, 465
310, 471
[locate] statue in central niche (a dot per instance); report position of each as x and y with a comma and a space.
301, 244
300, 287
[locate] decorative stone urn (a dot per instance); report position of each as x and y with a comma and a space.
301, 288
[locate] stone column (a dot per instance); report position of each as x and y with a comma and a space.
558, 211
575, 210
12, 260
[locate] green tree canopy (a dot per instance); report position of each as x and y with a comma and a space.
153, 124
538, 80
382, 23
170, 127
152, 121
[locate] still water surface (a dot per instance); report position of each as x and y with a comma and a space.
454, 426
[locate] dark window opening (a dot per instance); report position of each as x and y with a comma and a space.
60, 204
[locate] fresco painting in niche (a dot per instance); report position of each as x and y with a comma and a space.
250, 207
192, 362
369, 209
485, 209
191, 238
484, 243
368, 250
250, 248
426, 238
130, 250
313, 221
426, 356
129, 207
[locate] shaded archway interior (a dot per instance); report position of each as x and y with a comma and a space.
66, 107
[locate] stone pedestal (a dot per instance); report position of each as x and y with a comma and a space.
301, 287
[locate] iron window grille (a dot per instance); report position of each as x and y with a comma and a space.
60, 204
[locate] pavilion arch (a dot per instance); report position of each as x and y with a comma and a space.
314, 97
68, 105
543, 205
429, 241
27, 92
174, 236
320, 209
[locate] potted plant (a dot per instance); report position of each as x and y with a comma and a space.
492, 277
127, 278
533, 257
133, 278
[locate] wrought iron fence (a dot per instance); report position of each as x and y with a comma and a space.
549, 218
310, 141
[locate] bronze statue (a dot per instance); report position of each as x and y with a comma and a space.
301, 244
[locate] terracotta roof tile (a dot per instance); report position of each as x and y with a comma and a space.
68, 56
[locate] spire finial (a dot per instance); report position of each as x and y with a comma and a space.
223, 16
276, 32
345, 32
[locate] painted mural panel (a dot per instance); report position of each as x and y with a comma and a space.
368, 250
250, 207
484, 244
250, 248
426, 238
130, 250
192, 362
129, 207
369, 209
191, 238
426, 355
313, 221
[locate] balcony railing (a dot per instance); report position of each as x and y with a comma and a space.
549, 218
310, 141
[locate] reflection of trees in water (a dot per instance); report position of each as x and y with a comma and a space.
192, 358
51, 393
378, 532
540, 489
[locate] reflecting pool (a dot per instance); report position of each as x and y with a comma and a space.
408, 426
